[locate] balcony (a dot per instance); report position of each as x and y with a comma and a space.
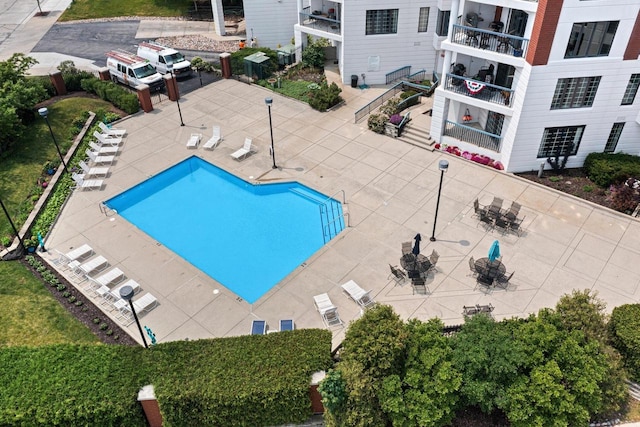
319, 21
479, 90
489, 40
472, 135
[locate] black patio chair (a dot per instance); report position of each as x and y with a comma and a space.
483, 280
515, 208
503, 281
486, 220
502, 223
433, 258
419, 286
472, 266
516, 225
398, 275
407, 247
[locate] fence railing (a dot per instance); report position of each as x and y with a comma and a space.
398, 74
319, 22
474, 136
490, 40
479, 90
377, 102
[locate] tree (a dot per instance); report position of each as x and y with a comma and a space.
373, 348
18, 97
427, 392
583, 311
490, 360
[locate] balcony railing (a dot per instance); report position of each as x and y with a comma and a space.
474, 136
490, 40
319, 21
479, 90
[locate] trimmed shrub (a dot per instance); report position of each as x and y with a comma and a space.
376, 122
625, 197
624, 329
325, 97
605, 169
113, 93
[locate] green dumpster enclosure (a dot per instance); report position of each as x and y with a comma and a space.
255, 65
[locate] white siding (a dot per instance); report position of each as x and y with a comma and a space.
407, 47
271, 21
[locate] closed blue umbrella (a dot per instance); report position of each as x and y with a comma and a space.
494, 251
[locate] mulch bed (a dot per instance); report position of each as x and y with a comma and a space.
87, 312
571, 181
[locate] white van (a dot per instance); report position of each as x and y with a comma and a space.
161, 56
133, 70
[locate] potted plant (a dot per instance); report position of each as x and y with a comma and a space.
50, 168
31, 244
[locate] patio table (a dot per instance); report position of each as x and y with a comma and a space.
411, 262
490, 269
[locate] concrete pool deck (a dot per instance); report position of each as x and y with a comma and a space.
391, 189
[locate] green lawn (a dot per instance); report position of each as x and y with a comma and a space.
86, 9
30, 315
22, 166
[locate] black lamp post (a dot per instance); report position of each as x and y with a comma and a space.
44, 112
15, 230
126, 293
269, 101
174, 82
443, 166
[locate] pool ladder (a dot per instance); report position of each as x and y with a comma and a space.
106, 210
332, 217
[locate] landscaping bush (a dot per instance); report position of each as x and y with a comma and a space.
624, 329
113, 93
313, 56
626, 196
376, 122
325, 97
605, 169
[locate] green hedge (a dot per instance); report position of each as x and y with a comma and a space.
241, 381
624, 327
606, 169
72, 385
113, 93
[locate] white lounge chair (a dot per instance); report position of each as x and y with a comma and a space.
95, 171
97, 159
79, 252
90, 184
145, 303
244, 151
327, 310
113, 132
214, 140
104, 149
134, 285
107, 139
111, 277
194, 140
94, 265
359, 295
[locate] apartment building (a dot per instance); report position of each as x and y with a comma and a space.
520, 80
523, 81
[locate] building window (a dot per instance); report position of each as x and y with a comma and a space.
384, 21
575, 93
591, 39
631, 90
442, 26
614, 136
560, 141
423, 19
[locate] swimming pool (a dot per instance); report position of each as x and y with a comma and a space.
247, 237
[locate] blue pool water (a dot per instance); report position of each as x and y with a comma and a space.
247, 237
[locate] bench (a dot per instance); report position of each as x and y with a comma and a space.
396, 130
470, 310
